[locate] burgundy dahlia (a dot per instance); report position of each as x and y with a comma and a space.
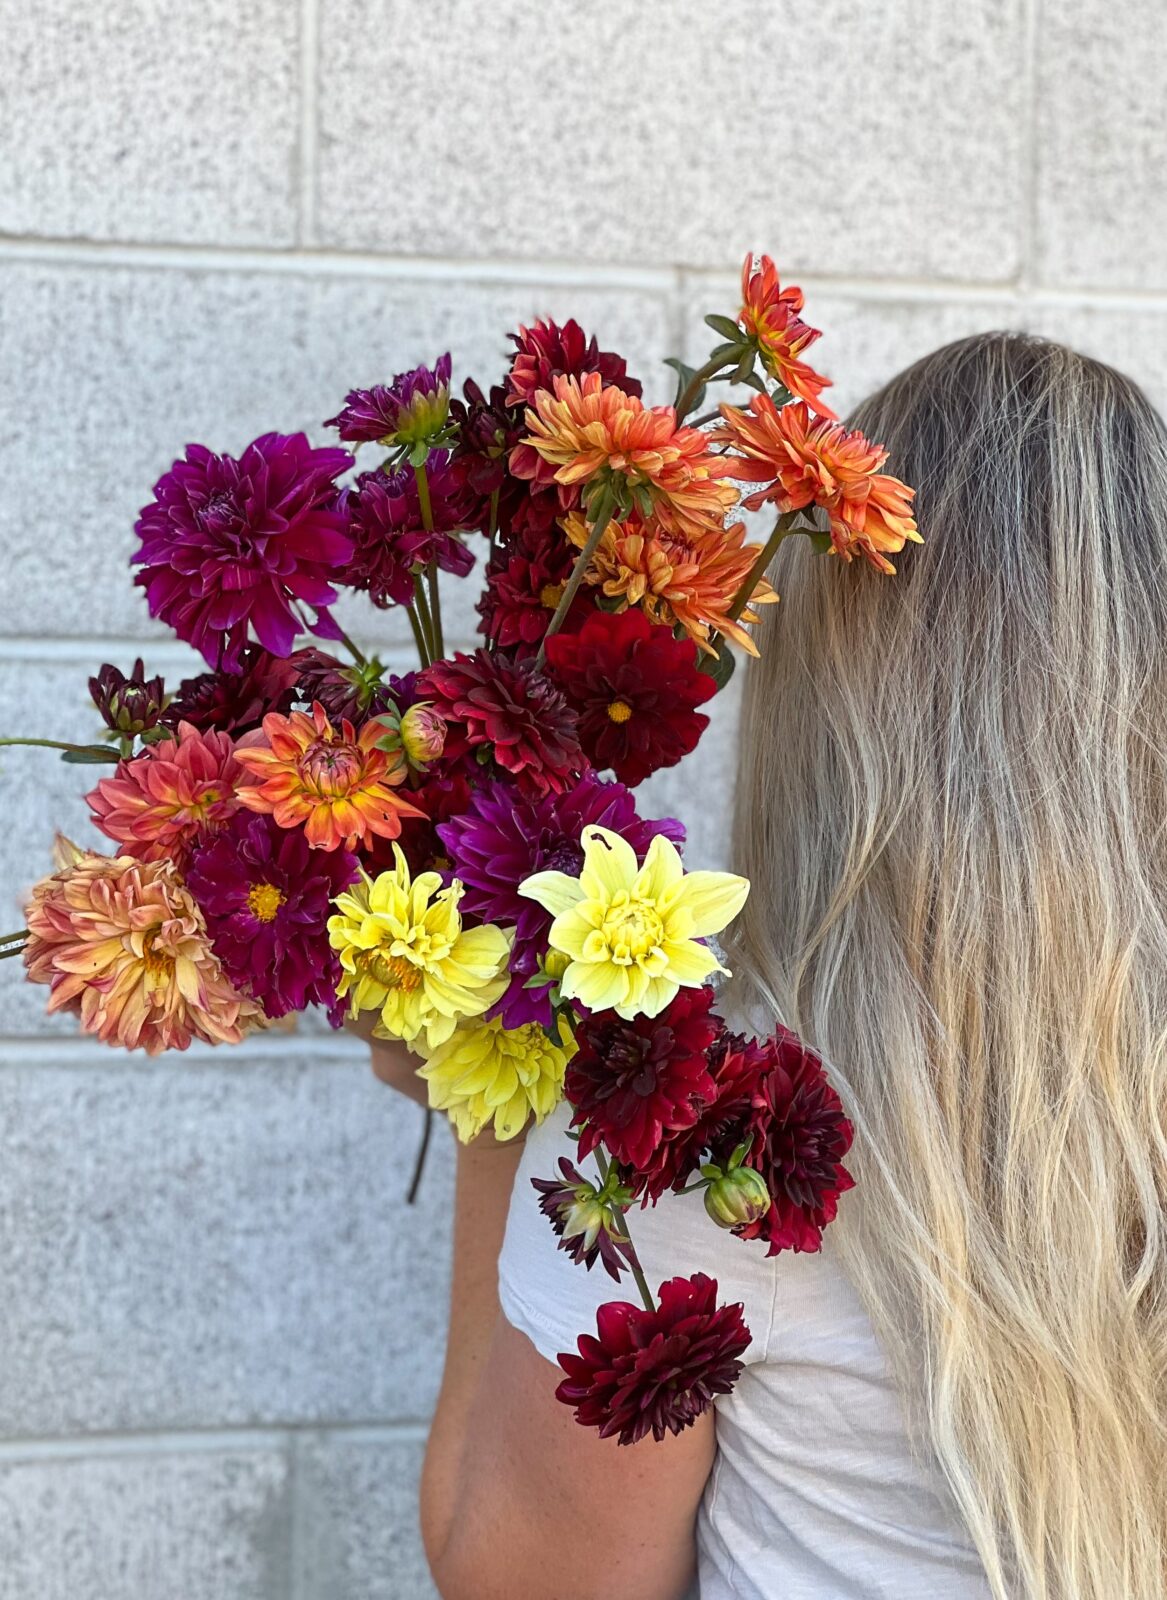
547, 351
632, 1084
488, 430
266, 898
445, 792
585, 1219
235, 702
797, 1137
636, 690
348, 693
231, 545
390, 543
524, 581
509, 711
409, 410
129, 705
655, 1371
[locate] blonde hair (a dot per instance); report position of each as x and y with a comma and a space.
952, 802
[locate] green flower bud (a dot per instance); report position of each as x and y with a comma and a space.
737, 1197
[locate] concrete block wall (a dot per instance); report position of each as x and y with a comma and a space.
220, 1326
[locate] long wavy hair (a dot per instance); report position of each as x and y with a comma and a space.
952, 802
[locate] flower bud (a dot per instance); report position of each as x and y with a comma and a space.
737, 1197
423, 733
128, 705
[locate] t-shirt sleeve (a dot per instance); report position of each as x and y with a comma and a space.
552, 1300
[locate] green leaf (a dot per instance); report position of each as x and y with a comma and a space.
684, 374
726, 327
781, 396
90, 755
729, 352
719, 667
820, 541
745, 366
754, 382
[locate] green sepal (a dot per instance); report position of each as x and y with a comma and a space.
719, 667
726, 327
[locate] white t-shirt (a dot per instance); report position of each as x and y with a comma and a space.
815, 1493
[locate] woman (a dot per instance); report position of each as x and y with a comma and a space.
951, 805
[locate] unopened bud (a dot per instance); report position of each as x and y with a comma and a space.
737, 1197
423, 733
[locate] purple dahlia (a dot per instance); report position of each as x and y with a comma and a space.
266, 896
390, 542
410, 410
231, 545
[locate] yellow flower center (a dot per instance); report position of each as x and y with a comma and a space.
264, 900
550, 595
328, 770
158, 965
395, 972
619, 711
631, 929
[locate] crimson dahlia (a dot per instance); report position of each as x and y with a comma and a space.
655, 1371
390, 544
547, 351
235, 702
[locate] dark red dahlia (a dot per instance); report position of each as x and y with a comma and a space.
231, 545
445, 793
509, 711
524, 582
655, 1371
633, 1083
547, 351
797, 1137
488, 431
390, 543
131, 705
235, 702
266, 897
586, 1219
636, 690
349, 693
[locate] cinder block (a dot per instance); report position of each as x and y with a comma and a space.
170, 122
356, 1504
203, 1524
1102, 145
169, 357
212, 1240
1134, 341
857, 139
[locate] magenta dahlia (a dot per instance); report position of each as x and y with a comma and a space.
547, 351
655, 1371
231, 545
408, 411
390, 544
509, 711
631, 1084
266, 897
235, 702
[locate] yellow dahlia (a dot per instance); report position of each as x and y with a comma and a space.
631, 933
769, 314
586, 428
404, 952
122, 945
338, 784
686, 580
486, 1073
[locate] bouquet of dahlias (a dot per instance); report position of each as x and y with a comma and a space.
456, 854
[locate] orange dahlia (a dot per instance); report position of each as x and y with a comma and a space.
682, 579
338, 785
769, 314
171, 797
122, 945
586, 429
810, 461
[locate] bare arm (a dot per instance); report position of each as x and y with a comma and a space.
518, 1501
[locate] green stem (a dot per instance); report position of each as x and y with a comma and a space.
425, 504
60, 744
423, 615
757, 572
633, 1259
688, 396
358, 656
435, 609
605, 506
418, 636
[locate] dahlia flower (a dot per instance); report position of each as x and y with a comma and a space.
501, 837
487, 433
809, 461
128, 706
547, 351
486, 1074
631, 1083
586, 429
586, 1220
347, 691
228, 545
390, 543
266, 896
404, 952
635, 689
769, 315
510, 711
338, 784
163, 802
632, 934
525, 578
122, 945
686, 580
655, 1371
234, 702
408, 411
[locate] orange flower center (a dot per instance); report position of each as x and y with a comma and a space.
619, 711
550, 595
264, 900
330, 769
395, 972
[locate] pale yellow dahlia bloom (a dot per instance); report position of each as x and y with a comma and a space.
631, 933
404, 952
487, 1073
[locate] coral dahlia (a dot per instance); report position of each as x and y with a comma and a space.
177, 792
769, 315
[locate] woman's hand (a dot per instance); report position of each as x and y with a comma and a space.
392, 1061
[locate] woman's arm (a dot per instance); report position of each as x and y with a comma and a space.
518, 1501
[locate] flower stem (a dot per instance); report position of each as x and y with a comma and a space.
425, 504
435, 610
783, 526
62, 744
418, 636
688, 396
632, 1258
583, 561
419, 1163
11, 944
358, 656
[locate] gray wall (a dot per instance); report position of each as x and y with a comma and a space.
220, 1328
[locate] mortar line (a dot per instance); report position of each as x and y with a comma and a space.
198, 1441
